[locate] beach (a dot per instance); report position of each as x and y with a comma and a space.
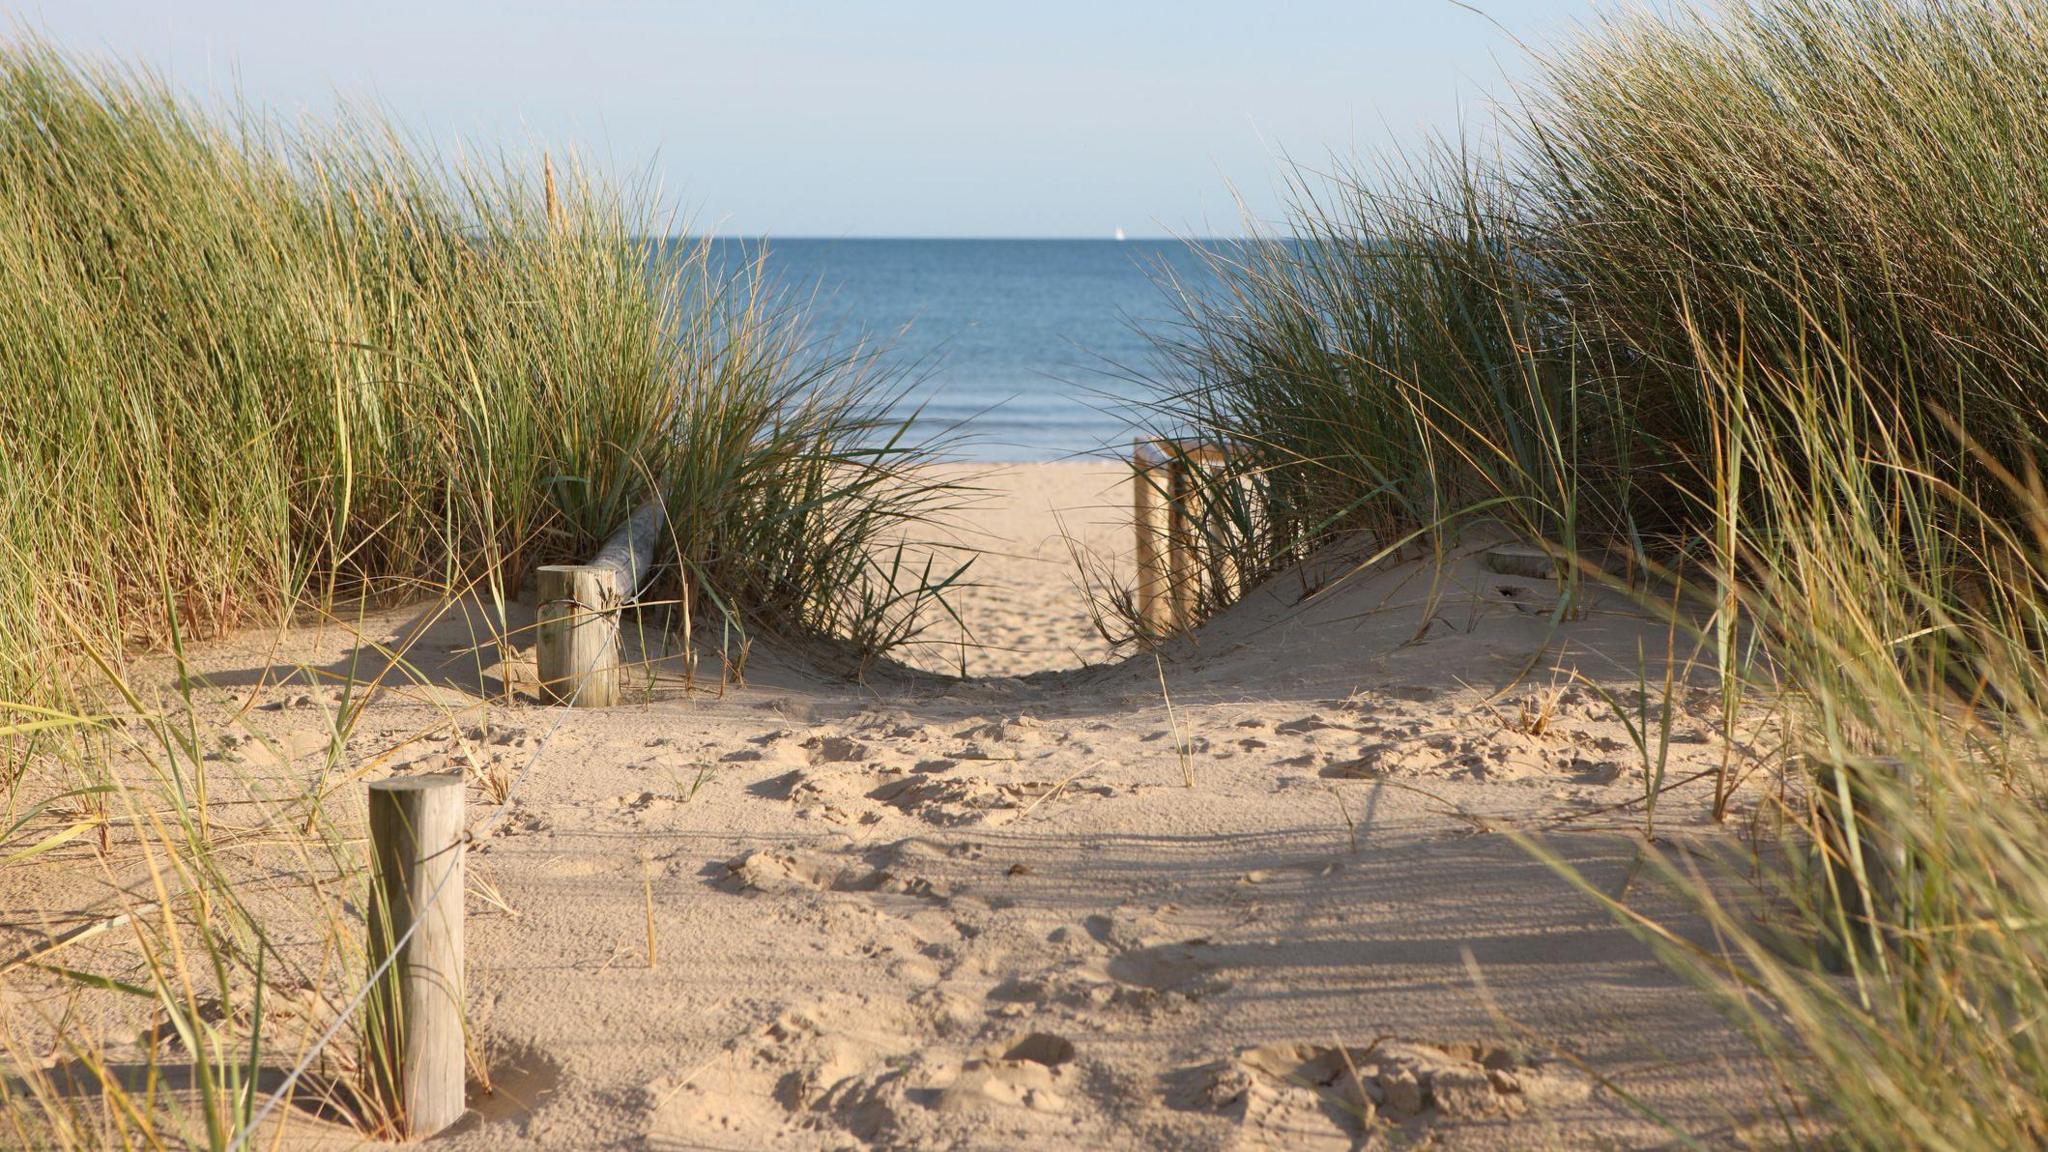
1217, 900
1000, 578
1036, 534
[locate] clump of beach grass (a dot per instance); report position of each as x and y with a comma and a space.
200, 978
245, 369
252, 376
1517, 319
1749, 299
1891, 957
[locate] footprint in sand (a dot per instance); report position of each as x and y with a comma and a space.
853, 1068
490, 757
639, 806
782, 872
831, 795
1086, 988
1412, 693
776, 873
1388, 758
837, 749
1316, 1096
823, 1065
950, 801
1123, 959
1184, 968
303, 699
1034, 1072
1019, 729
281, 752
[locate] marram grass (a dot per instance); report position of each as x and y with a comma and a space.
1750, 298
252, 374
244, 370
249, 374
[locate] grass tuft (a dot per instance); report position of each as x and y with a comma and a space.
252, 375
1748, 301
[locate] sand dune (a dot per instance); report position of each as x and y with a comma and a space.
1042, 907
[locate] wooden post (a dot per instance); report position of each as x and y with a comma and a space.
413, 1039
576, 643
1182, 576
1209, 467
1146, 493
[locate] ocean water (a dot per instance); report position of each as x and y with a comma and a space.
1018, 345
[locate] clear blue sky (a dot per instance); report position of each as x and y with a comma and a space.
885, 118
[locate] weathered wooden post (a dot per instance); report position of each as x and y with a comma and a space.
1146, 494
1210, 566
1181, 521
576, 642
413, 1038
1224, 573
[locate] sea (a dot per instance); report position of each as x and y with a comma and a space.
1014, 350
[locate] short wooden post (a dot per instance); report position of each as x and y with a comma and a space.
1182, 576
413, 1035
1146, 493
576, 643
1211, 472
1196, 532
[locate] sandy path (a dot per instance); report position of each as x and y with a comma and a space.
1023, 611
928, 913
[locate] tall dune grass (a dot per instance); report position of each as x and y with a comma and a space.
1893, 960
1863, 171
249, 374
244, 368
1753, 297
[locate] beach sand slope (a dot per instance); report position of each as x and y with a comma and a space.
1277, 905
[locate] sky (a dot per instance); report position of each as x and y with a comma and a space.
867, 117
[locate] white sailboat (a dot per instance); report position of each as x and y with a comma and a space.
1119, 233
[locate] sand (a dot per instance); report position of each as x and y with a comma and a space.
1042, 906
1036, 534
